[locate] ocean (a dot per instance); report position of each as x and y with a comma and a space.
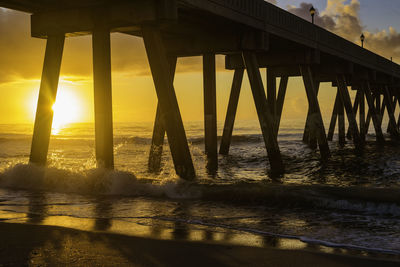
350, 204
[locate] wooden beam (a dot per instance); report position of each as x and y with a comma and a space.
333, 118
279, 102
344, 95
271, 92
393, 99
263, 112
315, 117
160, 69
378, 103
390, 110
103, 98
120, 17
276, 58
47, 97
157, 141
355, 109
231, 112
309, 136
394, 105
210, 111
363, 130
192, 40
373, 113
341, 121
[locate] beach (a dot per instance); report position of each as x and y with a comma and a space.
39, 245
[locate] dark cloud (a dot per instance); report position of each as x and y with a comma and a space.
303, 11
342, 17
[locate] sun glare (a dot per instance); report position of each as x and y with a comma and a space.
66, 110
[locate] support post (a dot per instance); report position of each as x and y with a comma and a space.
264, 116
394, 105
271, 92
351, 117
280, 100
341, 123
363, 131
47, 97
368, 119
398, 119
210, 111
102, 97
161, 73
378, 105
309, 134
355, 109
390, 110
373, 113
333, 118
157, 141
316, 121
231, 112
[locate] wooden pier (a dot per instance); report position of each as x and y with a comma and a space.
252, 34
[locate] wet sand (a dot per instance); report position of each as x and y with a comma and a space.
24, 244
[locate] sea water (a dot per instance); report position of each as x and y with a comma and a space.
349, 203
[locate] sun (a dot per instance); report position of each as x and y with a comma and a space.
66, 110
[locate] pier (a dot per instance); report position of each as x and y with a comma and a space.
253, 35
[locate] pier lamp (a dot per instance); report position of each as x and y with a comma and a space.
362, 38
312, 13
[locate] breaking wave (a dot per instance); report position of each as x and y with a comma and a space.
120, 183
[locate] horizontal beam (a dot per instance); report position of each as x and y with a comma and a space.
125, 16
274, 58
203, 41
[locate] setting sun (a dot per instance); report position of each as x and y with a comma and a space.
66, 109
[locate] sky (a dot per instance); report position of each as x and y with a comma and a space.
134, 98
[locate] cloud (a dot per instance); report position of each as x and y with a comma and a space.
303, 11
271, 1
342, 17
18, 50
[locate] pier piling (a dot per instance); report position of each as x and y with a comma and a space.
210, 111
351, 117
373, 113
280, 100
363, 130
231, 112
263, 111
161, 72
103, 97
47, 97
157, 140
316, 123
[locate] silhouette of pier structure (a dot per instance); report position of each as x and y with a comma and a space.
252, 34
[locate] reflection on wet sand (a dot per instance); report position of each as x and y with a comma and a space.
160, 219
103, 214
37, 208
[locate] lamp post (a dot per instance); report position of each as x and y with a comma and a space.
362, 38
312, 13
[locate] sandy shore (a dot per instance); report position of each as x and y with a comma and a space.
23, 244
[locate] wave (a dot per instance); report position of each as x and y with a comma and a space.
198, 139
120, 183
